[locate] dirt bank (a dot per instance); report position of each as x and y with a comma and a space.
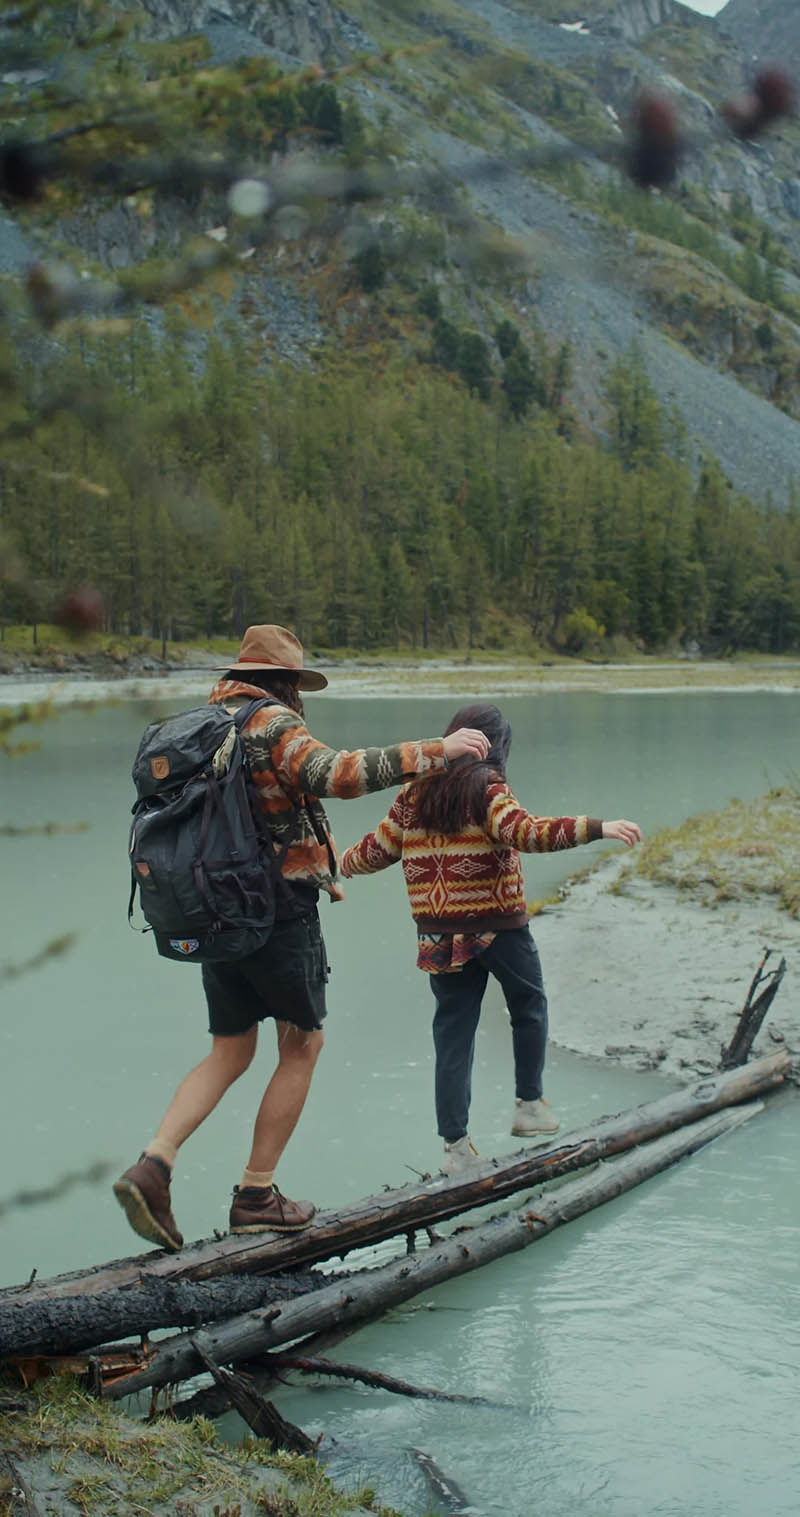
63, 1451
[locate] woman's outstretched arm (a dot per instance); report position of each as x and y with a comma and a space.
511, 825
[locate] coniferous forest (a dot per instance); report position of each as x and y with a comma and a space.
414, 512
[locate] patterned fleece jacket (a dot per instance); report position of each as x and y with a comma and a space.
289, 767
472, 881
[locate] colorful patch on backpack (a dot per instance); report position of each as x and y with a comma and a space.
185, 945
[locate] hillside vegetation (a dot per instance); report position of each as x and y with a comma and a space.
741, 853
372, 502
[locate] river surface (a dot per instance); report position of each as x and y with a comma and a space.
648, 1351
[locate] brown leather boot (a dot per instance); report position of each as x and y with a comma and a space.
143, 1194
257, 1210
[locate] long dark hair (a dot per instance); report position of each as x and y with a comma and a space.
451, 800
283, 688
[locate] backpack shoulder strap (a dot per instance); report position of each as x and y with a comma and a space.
240, 717
243, 715
256, 704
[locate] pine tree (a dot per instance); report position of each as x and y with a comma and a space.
474, 364
519, 381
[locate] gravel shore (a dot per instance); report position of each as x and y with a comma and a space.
475, 678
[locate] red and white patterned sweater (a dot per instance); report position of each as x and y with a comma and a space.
472, 881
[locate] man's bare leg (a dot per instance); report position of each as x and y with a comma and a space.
202, 1089
144, 1190
258, 1205
285, 1096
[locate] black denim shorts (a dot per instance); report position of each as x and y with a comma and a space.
285, 979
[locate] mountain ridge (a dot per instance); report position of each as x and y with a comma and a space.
704, 279
605, 312
768, 31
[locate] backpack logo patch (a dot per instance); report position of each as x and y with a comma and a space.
160, 767
185, 945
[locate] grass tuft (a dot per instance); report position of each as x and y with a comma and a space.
749, 849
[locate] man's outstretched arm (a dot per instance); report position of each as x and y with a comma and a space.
310, 767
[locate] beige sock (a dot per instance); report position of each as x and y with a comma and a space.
257, 1179
159, 1148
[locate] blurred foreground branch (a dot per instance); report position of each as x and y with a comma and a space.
93, 1174
115, 125
51, 950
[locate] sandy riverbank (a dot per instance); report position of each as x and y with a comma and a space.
674, 974
489, 681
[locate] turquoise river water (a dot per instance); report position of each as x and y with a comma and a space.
649, 1351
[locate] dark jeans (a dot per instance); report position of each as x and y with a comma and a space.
513, 959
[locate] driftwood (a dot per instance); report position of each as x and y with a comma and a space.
373, 1290
78, 1310
316, 1366
261, 1416
267, 1370
443, 1486
753, 1013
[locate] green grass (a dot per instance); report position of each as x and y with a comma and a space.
750, 849
53, 644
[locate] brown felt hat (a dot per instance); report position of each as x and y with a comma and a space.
277, 651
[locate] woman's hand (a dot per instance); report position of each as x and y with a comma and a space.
624, 832
467, 740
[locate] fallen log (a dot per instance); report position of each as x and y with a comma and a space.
61, 1311
78, 1322
375, 1290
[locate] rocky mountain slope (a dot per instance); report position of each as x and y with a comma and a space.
704, 279
765, 29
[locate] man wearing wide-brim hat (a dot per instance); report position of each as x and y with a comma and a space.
285, 979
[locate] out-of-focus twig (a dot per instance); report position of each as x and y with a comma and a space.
51, 950
93, 1174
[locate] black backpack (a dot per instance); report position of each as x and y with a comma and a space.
201, 853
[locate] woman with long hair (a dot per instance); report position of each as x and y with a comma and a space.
459, 834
